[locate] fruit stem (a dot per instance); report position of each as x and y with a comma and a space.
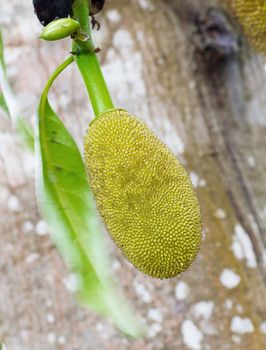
88, 63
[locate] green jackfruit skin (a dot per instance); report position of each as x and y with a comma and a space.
251, 15
143, 194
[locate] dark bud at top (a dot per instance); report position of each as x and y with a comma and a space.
49, 10
96, 6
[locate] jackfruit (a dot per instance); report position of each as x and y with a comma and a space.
143, 194
251, 14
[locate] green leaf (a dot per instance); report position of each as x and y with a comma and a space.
9, 105
67, 205
3, 104
2, 57
26, 133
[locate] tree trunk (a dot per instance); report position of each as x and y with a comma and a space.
208, 104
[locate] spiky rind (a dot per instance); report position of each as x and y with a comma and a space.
144, 195
251, 15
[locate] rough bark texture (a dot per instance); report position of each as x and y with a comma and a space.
211, 111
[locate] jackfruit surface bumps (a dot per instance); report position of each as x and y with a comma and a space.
143, 193
251, 15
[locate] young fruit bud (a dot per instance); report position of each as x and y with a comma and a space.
59, 29
143, 193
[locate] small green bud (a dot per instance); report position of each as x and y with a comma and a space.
59, 29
